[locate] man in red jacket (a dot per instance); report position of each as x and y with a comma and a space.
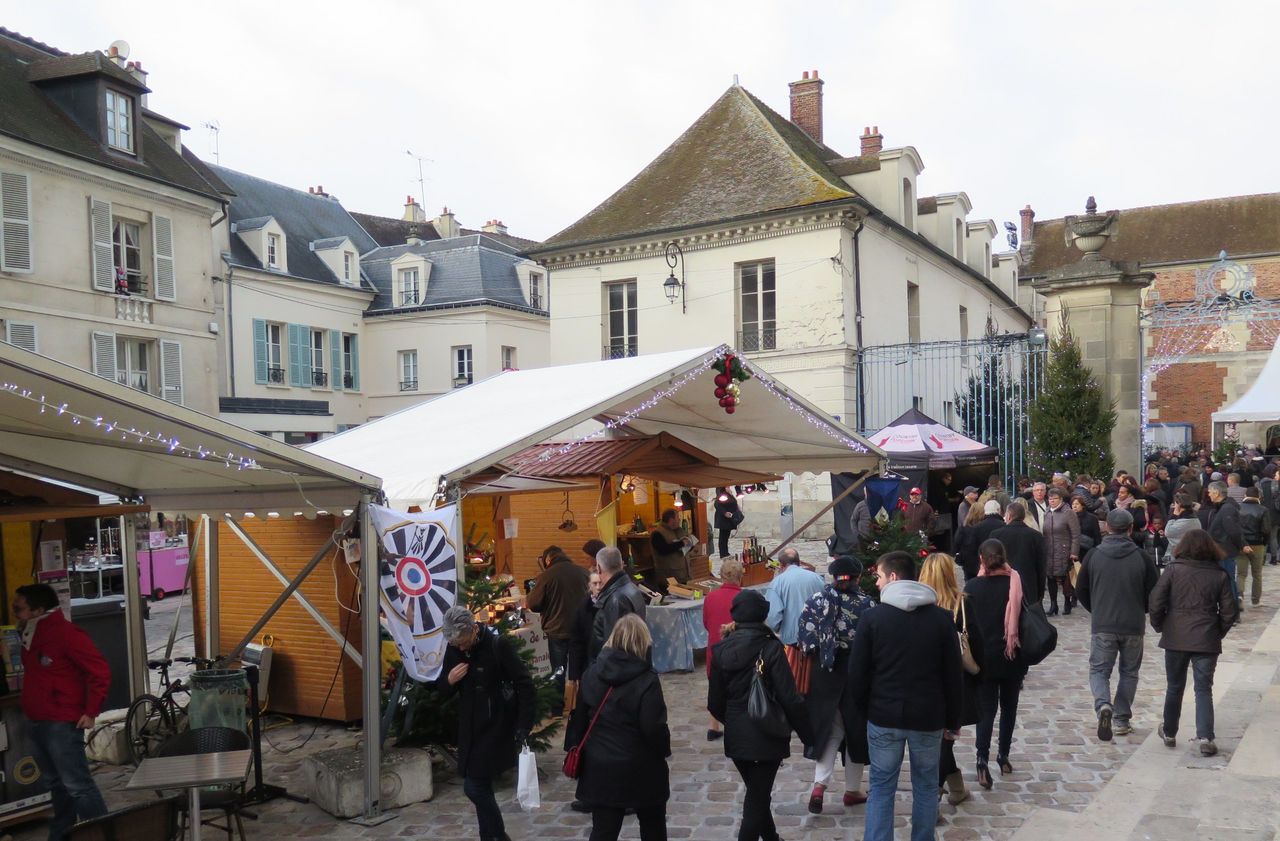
65, 681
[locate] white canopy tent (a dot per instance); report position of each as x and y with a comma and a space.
65, 424
419, 450
1260, 404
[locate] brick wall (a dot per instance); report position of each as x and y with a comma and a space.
1190, 393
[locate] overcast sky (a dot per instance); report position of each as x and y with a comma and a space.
535, 111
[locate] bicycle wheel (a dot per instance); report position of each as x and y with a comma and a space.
147, 724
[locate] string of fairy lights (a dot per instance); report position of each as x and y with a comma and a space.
113, 427
693, 374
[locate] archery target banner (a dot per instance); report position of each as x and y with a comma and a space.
418, 582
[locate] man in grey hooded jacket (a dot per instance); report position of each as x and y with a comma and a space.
906, 673
1114, 584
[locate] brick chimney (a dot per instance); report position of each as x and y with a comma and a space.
1028, 219
413, 211
872, 141
414, 237
806, 104
318, 191
494, 226
446, 225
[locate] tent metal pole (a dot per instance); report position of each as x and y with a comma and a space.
212, 587
775, 550
372, 672
135, 631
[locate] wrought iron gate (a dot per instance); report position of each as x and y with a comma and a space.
980, 387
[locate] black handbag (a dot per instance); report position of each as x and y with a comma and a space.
1037, 637
763, 710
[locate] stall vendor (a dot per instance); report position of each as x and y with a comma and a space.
669, 542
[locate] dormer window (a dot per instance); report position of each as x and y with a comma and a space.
119, 121
273, 249
347, 260
535, 290
410, 291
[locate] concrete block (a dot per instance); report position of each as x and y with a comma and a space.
334, 779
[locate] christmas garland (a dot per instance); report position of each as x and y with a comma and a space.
730, 372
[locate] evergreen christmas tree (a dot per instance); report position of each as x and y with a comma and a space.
426, 717
888, 536
1071, 421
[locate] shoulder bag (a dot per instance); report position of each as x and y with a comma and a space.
763, 710
966, 653
1037, 638
573, 758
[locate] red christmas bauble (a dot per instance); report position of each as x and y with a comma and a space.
726, 401
722, 380
728, 410
720, 392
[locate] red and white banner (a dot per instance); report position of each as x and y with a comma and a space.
418, 582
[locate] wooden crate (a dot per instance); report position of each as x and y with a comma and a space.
753, 574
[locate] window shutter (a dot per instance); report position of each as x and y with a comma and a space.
335, 357
162, 239
21, 334
104, 270
15, 216
104, 355
171, 371
259, 351
299, 356
355, 363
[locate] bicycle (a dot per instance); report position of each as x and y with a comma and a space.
151, 719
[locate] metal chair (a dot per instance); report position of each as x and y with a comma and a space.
153, 821
227, 799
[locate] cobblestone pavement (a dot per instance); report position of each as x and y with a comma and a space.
1058, 762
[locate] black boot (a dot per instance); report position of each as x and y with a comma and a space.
1053, 608
1067, 604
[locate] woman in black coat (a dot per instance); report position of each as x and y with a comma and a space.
1088, 523
939, 572
727, 518
624, 761
1001, 665
757, 755
495, 709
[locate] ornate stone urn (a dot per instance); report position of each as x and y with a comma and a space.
1090, 232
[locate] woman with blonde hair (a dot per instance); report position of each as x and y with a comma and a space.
939, 572
715, 615
967, 539
624, 761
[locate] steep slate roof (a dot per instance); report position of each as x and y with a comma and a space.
28, 115
391, 231
305, 217
1169, 233
475, 269
740, 158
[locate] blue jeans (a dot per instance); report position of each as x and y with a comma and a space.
479, 790
558, 654
1103, 651
1229, 567
1202, 669
886, 747
58, 748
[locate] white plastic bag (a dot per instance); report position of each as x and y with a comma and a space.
527, 793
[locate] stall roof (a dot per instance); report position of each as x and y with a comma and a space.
468, 430
66, 424
1262, 401
915, 435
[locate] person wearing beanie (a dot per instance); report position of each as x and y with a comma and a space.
757, 755
827, 627
1115, 581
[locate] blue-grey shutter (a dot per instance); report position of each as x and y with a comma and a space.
260, 351
299, 356
104, 268
166, 286
171, 371
335, 358
15, 222
355, 363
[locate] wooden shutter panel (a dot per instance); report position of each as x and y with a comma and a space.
21, 334
299, 356
162, 239
335, 358
355, 363
15, 217
104, 355
259, 351
104, 269
171, 371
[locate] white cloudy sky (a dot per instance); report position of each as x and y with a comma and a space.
535, 111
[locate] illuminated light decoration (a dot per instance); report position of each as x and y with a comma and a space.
693, 374
172, 444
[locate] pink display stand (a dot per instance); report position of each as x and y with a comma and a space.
163, 570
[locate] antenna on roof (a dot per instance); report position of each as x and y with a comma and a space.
214, 128
422, 188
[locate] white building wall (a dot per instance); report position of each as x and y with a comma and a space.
58, 295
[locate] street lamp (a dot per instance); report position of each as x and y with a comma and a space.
672, 286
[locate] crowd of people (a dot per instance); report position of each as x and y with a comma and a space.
864, 679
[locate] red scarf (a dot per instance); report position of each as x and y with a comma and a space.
1012, 610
